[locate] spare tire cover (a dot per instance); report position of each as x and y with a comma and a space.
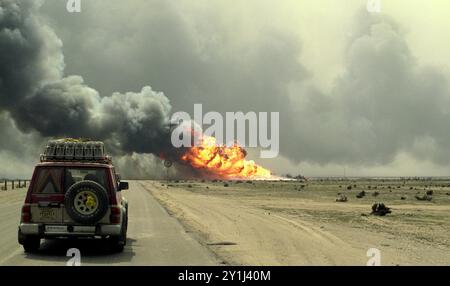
86, 202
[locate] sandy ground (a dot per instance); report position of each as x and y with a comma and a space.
294, 223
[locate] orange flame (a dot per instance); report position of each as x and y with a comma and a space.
222, 161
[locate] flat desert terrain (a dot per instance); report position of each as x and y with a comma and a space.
300, 223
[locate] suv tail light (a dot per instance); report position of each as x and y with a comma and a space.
26, 213
115, 215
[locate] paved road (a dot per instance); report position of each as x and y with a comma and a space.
154, 238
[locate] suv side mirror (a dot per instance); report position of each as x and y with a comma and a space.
123, 186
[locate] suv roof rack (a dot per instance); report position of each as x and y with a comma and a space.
75, 150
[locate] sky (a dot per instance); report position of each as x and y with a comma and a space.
358, 92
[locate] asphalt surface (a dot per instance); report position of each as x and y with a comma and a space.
154, 238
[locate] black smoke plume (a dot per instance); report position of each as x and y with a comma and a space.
39, 97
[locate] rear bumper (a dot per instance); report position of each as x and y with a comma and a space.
49, 230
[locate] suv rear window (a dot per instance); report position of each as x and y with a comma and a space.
74, 175
48, 181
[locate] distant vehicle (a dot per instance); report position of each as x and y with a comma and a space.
74, 192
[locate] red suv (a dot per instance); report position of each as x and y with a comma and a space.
74, 192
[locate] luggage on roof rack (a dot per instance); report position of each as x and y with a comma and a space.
75, 150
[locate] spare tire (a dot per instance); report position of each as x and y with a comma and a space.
86, 202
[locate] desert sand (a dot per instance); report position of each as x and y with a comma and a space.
300, 223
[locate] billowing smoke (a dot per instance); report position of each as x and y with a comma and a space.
147, 166
37, 95
382, 104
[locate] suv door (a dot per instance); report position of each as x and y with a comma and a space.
47, 196
115, 186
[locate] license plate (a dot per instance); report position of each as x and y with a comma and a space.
55, 228
47, 213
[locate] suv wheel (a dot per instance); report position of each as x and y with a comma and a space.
117, 243
31, 244
86, 202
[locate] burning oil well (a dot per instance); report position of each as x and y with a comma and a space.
211, 160
222, 161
